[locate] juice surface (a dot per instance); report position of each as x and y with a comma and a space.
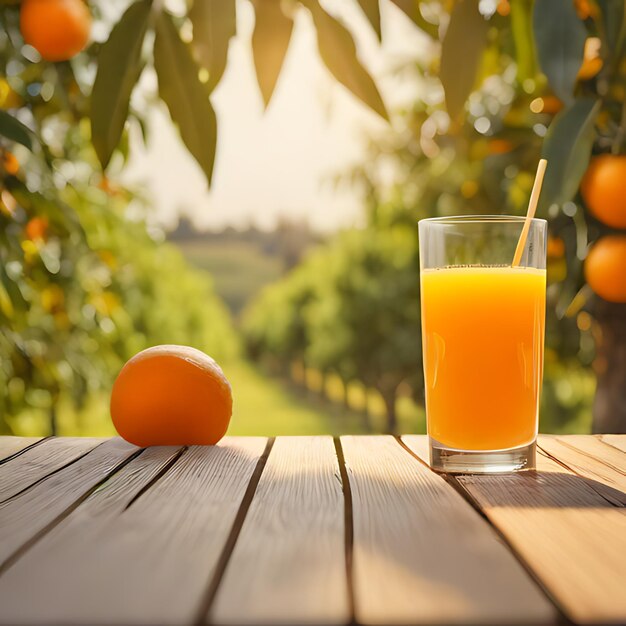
483, 330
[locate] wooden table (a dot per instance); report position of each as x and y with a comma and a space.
308, 530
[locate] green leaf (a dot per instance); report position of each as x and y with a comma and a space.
186, 97
371, 8
214, 23
270, 40
461, 51
567, 148
13, 129
119, 68
614, 20
560, 39
411, 8
6, 306
338, 52
522, 29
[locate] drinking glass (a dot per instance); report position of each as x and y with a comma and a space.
482, 334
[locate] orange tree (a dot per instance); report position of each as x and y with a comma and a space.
520, 80
80, 279
351, 308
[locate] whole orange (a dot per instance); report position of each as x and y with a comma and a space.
605, 268
57, 29
171, 395
604, 189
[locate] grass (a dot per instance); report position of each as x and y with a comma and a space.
268, 406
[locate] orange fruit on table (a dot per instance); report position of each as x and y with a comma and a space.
171, 395
605, 268
57, 29
604, 189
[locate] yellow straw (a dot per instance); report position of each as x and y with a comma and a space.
532, 207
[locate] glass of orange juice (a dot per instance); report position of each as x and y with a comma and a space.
482, 334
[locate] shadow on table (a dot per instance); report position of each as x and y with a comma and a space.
542, 489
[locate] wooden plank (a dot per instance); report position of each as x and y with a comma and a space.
27, 514
572, 538
603, 477
421, 553
12, 445
289, 565
597, 450
40, 461
617, 441
50, 573
151, 563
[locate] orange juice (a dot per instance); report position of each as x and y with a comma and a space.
483, 331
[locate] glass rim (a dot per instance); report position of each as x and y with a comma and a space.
469, 219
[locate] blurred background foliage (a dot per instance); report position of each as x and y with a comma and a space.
86, 283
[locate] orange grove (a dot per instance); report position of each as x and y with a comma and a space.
57, 29
605, 268
604, 189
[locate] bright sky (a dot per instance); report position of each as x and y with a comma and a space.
281, 161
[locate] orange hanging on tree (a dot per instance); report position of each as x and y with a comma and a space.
604, 189
57, 29
605, 268
36, 229
10, 163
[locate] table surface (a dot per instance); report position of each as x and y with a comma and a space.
308, 530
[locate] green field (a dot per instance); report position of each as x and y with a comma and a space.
239, 269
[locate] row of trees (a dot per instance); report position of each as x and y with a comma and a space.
524, 81
351, 309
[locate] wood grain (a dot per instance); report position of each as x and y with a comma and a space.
288, 565
44, 583
153, 562
597, 450
27, 514
421, 553
617, 441
40, 461
605, 478
572, 538
12, 445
